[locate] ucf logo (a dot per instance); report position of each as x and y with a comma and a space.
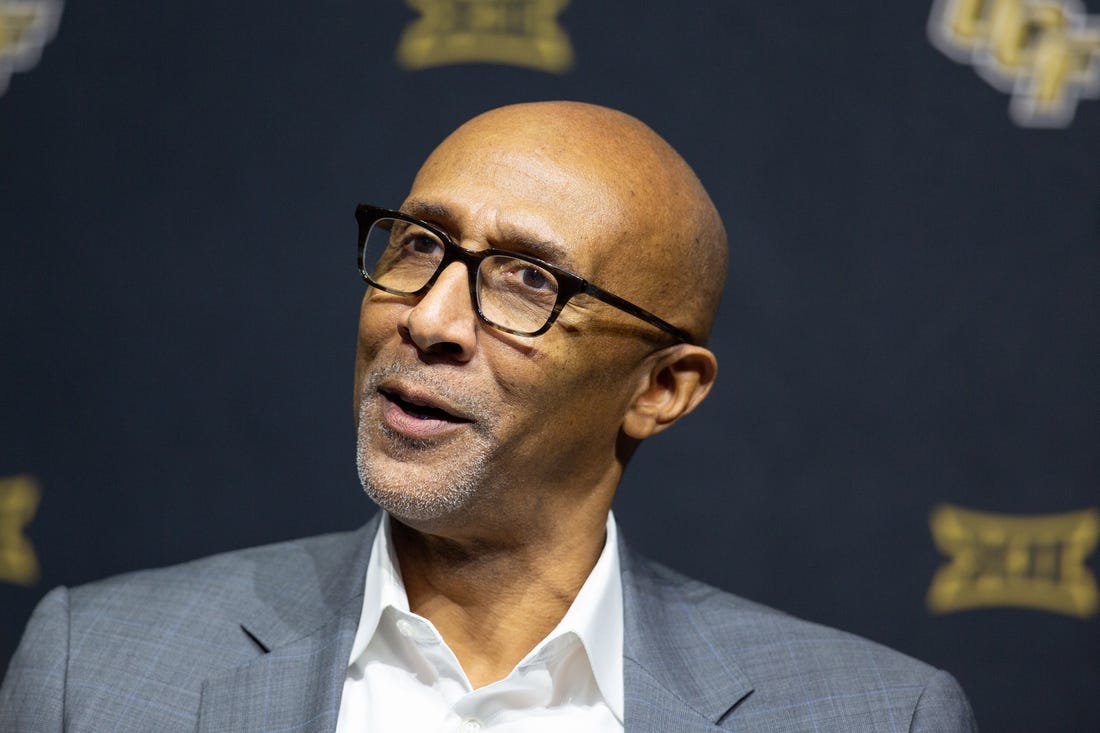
513, 32
1000, 560
1045, 53
25, 27
18, 502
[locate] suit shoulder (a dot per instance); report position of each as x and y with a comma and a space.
799, 675
745, 622
218, 580
157, 634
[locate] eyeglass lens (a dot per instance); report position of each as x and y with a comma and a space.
401, 257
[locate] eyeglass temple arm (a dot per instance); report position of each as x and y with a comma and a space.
638, 312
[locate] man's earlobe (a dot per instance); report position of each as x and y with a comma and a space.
679, 379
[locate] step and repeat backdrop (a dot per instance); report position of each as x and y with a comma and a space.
905, 438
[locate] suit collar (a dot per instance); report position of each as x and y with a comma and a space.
674, 674
304, 615
306, 585
306, 611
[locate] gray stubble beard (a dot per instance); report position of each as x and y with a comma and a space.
447, 492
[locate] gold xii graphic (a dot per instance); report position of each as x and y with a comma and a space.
512, 32
25, 27
19, 497
1025, 561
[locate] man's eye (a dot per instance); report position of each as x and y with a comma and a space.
535, 278
422, 244
516, 278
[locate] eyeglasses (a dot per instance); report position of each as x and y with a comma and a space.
511, 291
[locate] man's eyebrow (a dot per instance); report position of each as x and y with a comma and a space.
544, 249
511, 239
435, 213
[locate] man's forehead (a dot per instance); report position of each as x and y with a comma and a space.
522, 165
559, 205
505, 230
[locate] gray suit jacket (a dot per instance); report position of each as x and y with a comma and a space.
259, 640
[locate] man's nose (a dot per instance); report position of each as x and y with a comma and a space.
443, 321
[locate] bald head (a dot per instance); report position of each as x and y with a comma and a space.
662, 240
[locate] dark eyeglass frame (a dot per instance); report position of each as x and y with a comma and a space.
569, 284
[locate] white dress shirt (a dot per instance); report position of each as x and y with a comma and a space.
403, 677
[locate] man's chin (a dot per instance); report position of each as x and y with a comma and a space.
421, 480
418, 488
416, 507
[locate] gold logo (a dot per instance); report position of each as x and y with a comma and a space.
513, 32
19, 497
1002, 560
1045, 53
25, 27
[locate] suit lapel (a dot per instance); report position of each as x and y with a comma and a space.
674, 676
305, 612
294, 687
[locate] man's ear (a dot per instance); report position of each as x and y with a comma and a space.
678, 379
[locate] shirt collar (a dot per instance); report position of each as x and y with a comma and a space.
595, 616
383, 588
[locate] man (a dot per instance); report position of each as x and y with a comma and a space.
498, 397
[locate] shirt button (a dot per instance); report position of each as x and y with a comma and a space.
406, 628
471, 726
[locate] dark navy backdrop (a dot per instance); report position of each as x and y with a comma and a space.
911, 317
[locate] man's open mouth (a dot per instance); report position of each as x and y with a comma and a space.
419, 410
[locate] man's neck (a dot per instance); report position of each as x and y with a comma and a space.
493, 602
